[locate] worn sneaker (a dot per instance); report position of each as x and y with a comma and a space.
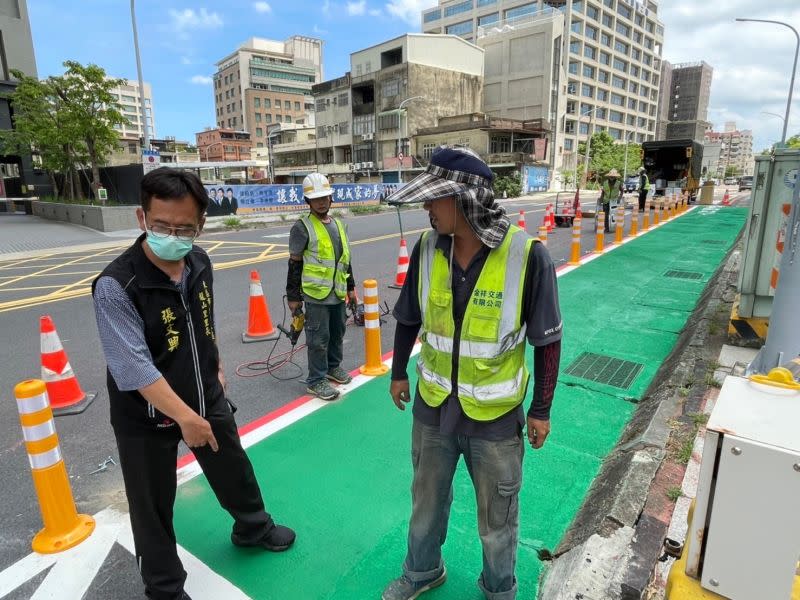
323, 390
277, 539
339, 375
403, 588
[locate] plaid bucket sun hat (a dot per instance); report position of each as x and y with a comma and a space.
460, 173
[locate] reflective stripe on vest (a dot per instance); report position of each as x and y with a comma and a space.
321, 273
492, 376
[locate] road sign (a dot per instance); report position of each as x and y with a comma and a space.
151, 160
102, 194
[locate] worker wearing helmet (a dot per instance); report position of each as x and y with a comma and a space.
320, 276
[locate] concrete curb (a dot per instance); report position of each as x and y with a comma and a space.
613, 544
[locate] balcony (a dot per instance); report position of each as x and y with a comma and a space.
294, 146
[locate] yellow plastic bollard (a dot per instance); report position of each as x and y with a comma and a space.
634, 223
63, 526
600, 241
372, 331
646, 218
619, 230
575, 258
543, 234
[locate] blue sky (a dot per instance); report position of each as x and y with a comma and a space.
181, 41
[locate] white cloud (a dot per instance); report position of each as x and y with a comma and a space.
185, 60
184, 20
752, 61
375, 12
356, 8
409, 10
262, 7
200, 80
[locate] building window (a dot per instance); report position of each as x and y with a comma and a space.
427, 150
618, 82
602, 95
632, 103
486, 2
573, 67
258, 117
520, 11
624, 11
268, 118
499, 144
278, 118
620, 65
390, 87
568, 144
583, 128
433, 15
388, 121
605, 58
297, 107
577, 26
320, 105
489, 19
589, 52
602, 76
621, 47
458, 8
633, 87
590, 32
587, 90
259, 132
617, 100
459, 28
575, 47
588, 71
577, 5
570, 107
608, 21
623, 29
569, 126
257, 102
344, 127
592, 12
634, 71
287, 119
344, 99
287, 104
615, 116
322, 132
227, 94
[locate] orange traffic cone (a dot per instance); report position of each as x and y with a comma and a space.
521, 220
259, 323
726, 199
66, 395
402, 266
551, 221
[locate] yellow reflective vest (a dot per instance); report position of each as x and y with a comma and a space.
321, 272
492, 376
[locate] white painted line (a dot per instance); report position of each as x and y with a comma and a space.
24, 570
276, 235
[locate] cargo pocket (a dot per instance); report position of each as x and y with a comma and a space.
504, 501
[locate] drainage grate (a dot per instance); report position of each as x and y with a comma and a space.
605, 369
714, 242
692, 275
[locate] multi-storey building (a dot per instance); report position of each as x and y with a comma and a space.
223, 145
612, 56
264, 82
664, 88
687, 102
403, 85
16, 50
130, 102
736, 149
333, 119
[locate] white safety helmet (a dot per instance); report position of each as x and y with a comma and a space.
316, 185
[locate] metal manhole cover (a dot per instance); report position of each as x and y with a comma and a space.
714, 242
691, 275
605, 369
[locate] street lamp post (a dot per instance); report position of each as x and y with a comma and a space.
399, 137
270, 135
625, 168
794, 68
588, 144
145, 129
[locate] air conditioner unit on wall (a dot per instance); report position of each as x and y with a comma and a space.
369, 165
367, 136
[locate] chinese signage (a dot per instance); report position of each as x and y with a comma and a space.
268, 198
151, 160
535, 179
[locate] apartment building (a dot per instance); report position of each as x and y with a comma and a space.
129, 100
293, 152
223, 145
264, 82
686, 104
403, 85
611, 54
333, 120
662, 112
736, 149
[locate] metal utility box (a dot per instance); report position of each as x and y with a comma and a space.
773, 184
744, 538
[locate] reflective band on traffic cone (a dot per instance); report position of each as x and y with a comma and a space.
551, 220
619, 230
259, 323
402, 266
521, 220
575, 257
634, 223
372, 331
646, 217
63, 526
66, 395
779, 245
600, 241
543, 234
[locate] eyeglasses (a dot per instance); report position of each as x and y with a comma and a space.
182, 233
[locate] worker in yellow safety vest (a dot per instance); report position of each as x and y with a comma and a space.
644, 187
478, 289
610, 190
321, 276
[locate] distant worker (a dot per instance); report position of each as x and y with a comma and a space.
154, 306
478, 291
644, 187
610, 190
320, 275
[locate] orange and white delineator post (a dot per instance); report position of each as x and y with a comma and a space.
63, 526
657, 211
402, 266
372, 331
65, 393
600, 244
259, 323
779, 246
634, 223
646, 217
543, 234
619, 230
575, 256
550, 218
665, 208
521, 221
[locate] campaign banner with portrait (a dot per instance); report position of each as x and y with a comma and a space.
248, 199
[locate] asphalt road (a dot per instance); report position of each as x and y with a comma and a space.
87, 439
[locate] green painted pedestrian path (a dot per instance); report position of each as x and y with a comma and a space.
341, 476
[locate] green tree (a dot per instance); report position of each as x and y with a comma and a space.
606, 154
510, 184
794, 141
732, 171
67, 120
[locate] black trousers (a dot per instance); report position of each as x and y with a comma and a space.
148, 468
607, 216
642, 198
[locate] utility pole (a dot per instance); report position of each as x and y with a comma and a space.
145, 128
783, 338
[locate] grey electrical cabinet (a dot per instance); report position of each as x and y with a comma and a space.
773, 184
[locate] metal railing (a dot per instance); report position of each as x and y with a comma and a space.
521, 22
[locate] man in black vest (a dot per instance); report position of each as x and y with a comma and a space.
155, 314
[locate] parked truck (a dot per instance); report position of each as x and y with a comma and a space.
672, 164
